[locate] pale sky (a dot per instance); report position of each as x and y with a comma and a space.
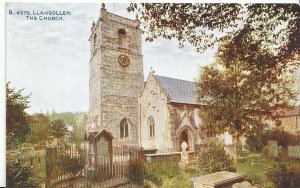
50, 59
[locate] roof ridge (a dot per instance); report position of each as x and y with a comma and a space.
174, 78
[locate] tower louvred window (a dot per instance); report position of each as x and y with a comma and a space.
122, 32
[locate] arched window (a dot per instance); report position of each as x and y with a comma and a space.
124, 128
151, 125
121, 38
122, 32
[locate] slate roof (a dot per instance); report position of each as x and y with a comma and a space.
179, 91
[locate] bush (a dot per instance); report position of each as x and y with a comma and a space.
213, 158
20, 174
284, 176
136, 171
157, 172
73, 165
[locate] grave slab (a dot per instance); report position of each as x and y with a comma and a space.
221, 179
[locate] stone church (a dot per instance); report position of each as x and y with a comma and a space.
158, 114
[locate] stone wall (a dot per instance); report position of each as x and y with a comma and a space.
153, 102
170, 119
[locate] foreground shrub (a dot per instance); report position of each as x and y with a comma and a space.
157, 172
20, 174
136, 171
213, 158
284, 176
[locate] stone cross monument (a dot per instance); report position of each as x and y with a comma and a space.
184, 156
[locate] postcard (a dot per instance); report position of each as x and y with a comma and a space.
152, 94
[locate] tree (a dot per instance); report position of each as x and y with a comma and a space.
77, 120
16, 117
39, 125
241, 98
77, 136
251, 26
258, 44
58, 129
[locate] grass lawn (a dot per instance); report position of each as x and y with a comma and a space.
166, 174
254, 168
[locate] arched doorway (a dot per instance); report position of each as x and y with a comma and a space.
184, 138
188, 135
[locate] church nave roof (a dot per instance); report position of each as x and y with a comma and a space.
179, 91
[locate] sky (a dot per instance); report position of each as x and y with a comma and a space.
50, 59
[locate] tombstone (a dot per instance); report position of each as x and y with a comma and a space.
184, 156
294, 152
272, 148
103, 150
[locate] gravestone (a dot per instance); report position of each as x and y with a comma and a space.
221, 179
104, 148
272, 148
294, 152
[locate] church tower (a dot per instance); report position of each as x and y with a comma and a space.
116, 77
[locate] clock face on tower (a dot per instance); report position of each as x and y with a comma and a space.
123, 60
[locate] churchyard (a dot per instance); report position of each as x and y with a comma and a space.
69, 166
